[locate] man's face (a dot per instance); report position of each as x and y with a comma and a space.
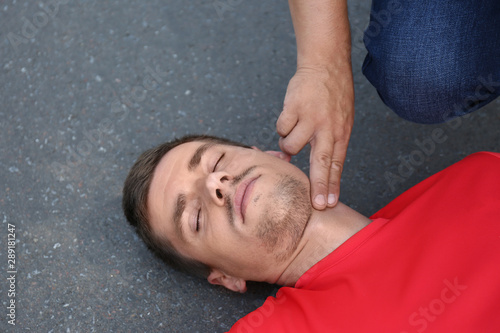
236, 209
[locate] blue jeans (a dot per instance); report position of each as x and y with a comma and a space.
433, 60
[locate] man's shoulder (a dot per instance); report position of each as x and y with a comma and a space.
481, 158
476, 172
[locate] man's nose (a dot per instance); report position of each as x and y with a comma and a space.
218, 186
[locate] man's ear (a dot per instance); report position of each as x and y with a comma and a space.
278, 154
230, 282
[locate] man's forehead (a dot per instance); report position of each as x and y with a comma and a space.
180, 154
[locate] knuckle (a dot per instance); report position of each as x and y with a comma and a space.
284, 123
333, 182
320, 185
343, 137
337, 166
282, 130
323, 159
289, 147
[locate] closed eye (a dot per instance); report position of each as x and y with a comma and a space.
216, 164
198, 220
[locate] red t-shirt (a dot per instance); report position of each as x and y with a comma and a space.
429, 262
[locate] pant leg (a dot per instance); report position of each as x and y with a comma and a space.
433, 60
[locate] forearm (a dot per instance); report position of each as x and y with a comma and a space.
322, 33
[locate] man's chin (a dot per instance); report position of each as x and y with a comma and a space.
282, 230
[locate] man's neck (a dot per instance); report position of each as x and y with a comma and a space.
325, 232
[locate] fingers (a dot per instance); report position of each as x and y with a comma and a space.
294, 134
321, 163
325, 173
336, 167
327, 160
293, 137
280, 155
319, 109
297, 138
286, 122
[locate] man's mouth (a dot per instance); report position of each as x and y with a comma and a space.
242, 196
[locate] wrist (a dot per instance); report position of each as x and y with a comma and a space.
326, 69
330, 60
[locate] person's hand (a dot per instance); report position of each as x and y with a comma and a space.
319, 109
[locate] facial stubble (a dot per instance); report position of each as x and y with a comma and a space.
284, 223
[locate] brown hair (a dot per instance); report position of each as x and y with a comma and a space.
135, 203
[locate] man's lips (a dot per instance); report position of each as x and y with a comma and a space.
242, 196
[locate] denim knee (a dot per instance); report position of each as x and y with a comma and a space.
428, 96
431, 60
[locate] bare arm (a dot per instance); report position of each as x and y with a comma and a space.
319, 102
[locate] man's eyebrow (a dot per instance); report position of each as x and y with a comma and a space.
195, 160
180, 206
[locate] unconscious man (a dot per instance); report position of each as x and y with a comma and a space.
428, 261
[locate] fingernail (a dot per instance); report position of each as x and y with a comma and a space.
331, 199
320, 200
